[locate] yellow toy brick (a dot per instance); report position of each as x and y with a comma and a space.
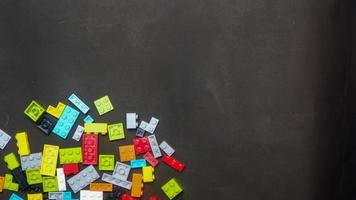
37, 196
22, 144
137, 185
56, 111
49, 160
148, 174
127, 153
96, 128
105, 187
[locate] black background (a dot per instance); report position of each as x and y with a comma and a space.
255, 96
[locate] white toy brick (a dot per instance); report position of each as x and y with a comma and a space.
154, 146
131, 120
166, 148
121, 171
116, 181
91, 195
152, 125
61, 180
83, 178
4, 139
78, 133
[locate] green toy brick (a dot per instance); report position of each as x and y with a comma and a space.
33, 176
70, 155
34, 111
172, 188
9, 185
107, 162
116, 131
11, 161
103, 105
50, 184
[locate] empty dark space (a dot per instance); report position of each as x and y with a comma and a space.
257, 97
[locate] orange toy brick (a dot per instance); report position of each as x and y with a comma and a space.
2, 180
127, 153
137, 185
105, 187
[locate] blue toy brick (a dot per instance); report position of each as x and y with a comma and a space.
67, 196
79, 103
88, 119
66, 122
138, 163
15, 197
32, 161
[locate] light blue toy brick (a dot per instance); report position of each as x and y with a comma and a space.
88, 119
32, 161
55, 195
79, 103
15, 197
138, 163
4, 139
67, 196
66, 122
83, 178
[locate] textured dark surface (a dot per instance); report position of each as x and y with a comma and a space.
251, 94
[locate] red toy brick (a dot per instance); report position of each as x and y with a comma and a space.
70, 169
127, 197
141, 145
150, 159
172, 162
153, 197
90, 149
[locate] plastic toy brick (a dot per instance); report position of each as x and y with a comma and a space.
172, 162
9, 185
33, 176
153, 197
138, 163
106, 162
137, 185
88, 119
166, 148
131, 120
70, 169
37, 196
11, 161
115, 194
56, 111
154, 146
32, 189
20, 178
103, 105
66, 122
34, 111
78, 133
116, 181
70, 155
15, 197
90, 149
83, 178
22, 144
91, 195
96, 128
67, 196
152, 125
140, 132
143, 125
141, 145
127, 153
172, 188
55, 195
105, 187
4, 139
49, 160
61, 179
79, 103
2, 180
147, 174
46, 124
116, 131
32, 161
127, 197
121, 171
50, 184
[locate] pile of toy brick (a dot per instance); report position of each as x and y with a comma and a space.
38, 172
